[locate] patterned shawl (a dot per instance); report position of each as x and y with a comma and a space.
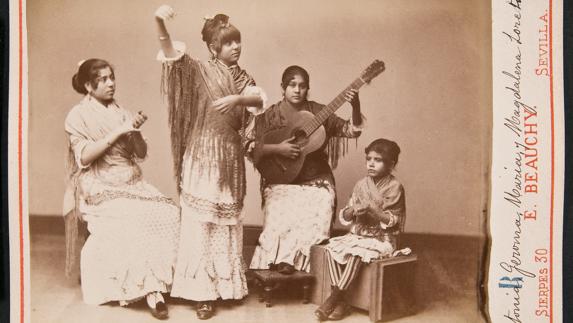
386, 195
88, 121
190, 87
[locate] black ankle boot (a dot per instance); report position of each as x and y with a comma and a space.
324, 310
285, 268
205, 310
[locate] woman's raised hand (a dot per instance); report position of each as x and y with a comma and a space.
164, 12
161, 14
132, 124
139, 119
352, 96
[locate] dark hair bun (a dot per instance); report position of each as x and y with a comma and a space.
88, 72
212, 26
80, 88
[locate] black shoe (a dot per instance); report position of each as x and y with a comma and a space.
285, 269
323, 311
160, 311
205, 310
341, 310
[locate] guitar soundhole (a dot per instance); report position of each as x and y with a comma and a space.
300, 137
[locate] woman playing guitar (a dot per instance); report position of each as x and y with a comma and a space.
298, 213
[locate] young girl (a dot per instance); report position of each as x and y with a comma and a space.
376, 210
134, 230
299, 215
209, 105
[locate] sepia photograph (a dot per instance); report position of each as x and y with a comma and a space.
258, 161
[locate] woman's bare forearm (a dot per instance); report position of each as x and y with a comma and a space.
164, 39
96, 149
251, 101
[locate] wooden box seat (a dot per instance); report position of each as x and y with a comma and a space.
385, 288
271, 280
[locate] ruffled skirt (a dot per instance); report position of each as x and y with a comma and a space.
210, 257
296, 217
132, 246
210, 260
367, 248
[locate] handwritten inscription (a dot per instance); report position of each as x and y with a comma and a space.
515, 34
521, 122
523, 275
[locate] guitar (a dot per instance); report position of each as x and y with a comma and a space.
308, 133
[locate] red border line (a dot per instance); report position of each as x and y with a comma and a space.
552, 161
20, 198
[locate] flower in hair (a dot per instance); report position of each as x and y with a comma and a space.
81, 62
222, 18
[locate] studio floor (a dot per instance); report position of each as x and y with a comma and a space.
55, 299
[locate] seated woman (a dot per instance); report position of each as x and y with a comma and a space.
134, 230
299, 215
376, 210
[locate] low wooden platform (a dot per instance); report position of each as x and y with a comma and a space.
271, 280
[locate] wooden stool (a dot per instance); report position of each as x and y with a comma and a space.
385, 288
268, 280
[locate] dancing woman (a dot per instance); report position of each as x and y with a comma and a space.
210, 106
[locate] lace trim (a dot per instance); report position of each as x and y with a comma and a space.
222, 210
111, 195
321, 183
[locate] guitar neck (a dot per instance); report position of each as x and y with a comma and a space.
321, 116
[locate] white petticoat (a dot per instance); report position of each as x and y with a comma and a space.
367, 248
131, 249
296, 217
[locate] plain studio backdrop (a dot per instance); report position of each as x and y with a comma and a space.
434, 98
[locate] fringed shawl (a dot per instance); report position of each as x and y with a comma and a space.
87, 122
191, 86
72, 221
241, 78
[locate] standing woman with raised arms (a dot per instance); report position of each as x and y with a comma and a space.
210, 106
